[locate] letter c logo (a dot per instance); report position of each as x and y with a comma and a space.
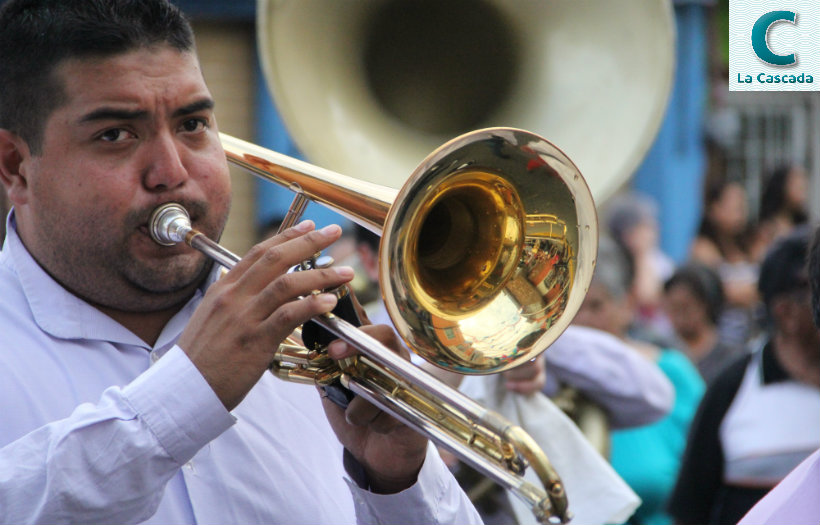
760, 43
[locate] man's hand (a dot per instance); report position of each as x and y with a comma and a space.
244, 316
390, 452
527, 378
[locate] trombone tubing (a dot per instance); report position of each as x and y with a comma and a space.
170, 225
360, 201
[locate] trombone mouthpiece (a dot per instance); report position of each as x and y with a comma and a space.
169, 224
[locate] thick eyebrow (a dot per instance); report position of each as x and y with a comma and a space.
105, 113
108, 113
195, 107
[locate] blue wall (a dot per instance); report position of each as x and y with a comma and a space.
272, 200
673, 170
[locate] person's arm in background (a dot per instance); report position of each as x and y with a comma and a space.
630, 388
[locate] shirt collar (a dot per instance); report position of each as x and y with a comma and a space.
62, 314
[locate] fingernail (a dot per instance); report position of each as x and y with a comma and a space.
326, 300
304, 226
331, 230
337, 347
345, 272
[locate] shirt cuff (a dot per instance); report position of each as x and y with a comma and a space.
434, 498
178, 405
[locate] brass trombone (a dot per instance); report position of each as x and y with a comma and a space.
486, 254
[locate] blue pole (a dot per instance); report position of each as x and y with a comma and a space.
673, 170
272, 200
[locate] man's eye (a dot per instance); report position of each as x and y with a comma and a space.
115, 135
194, 124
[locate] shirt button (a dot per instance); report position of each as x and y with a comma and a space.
154, 357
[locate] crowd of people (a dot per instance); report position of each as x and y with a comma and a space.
133, 377
730, 328
737, 311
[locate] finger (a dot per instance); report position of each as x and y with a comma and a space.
339, 349
384, 423
522, 372
527, 386
284, 320
523, 387
360, 412
383, 334
268, 260
256, 251
291, 287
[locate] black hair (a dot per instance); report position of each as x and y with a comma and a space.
712, 192
37, 35
704, 283
614, 268
366, 237
784, 268
814, 275
773, 198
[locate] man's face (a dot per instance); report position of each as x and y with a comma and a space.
603, 311
137, 130
686, 312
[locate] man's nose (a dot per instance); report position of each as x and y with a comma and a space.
164, 169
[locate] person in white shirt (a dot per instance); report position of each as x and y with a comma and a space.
794, 500
133, 384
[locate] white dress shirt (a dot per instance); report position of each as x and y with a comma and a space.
769, 429
96, 426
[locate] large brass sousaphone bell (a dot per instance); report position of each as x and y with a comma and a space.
369, 88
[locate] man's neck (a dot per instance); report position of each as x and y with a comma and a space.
146, 326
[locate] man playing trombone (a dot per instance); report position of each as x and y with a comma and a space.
132, 381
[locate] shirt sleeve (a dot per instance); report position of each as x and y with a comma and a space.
794, 500
632, 389
109, 462
435, 499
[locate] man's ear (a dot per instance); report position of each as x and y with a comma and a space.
13, 150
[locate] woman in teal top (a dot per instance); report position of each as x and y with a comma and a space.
648, 457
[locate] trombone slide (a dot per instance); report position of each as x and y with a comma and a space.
480, 437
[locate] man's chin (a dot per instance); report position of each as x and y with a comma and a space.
172, 279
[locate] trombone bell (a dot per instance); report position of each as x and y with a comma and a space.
486, 254
487, 250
